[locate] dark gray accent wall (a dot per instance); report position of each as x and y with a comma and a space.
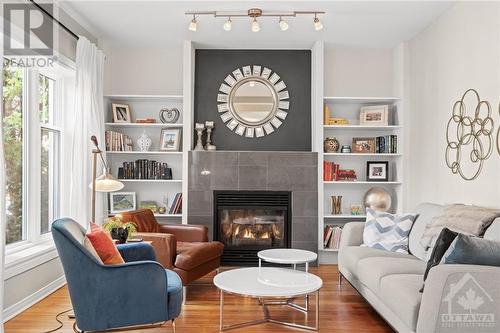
277, 171
294, 67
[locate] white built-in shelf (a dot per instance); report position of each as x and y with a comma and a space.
146, 98
359, 154
363, 127
359, 182
329, 250
359, 100
344, 216
142, 125
145, 152
150, 180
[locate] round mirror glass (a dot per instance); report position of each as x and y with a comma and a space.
253, 102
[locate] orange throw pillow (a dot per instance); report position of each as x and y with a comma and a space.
104, 245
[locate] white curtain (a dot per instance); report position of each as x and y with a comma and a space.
88, 120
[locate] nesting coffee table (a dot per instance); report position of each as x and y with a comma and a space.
271, 286
287, 256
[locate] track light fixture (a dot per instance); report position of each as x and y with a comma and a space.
255, 25
317, 23
228, 25
254, 14
283, 24
193, 25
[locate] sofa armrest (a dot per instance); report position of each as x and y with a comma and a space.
186, 232
165, 246
446, 283
352, 234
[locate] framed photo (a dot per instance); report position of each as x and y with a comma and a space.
363, 145
121, 201
121, 113
170, 139
377, 171
377, 115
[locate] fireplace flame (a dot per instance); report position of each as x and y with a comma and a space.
248, 234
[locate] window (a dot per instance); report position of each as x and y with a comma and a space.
32, 143
12, 121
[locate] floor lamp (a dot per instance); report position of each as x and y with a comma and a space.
105, 182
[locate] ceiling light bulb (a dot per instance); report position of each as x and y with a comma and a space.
317, 24
283, 25
193, 24
255, 25
252, 84
228, 25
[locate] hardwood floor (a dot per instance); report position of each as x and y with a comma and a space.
341, 310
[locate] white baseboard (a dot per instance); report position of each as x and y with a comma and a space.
22, 305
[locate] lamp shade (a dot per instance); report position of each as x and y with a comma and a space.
107, 183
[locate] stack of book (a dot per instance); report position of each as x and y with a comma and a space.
387, 144
176, 207
331, 236
116, 141
332, 172
145, 169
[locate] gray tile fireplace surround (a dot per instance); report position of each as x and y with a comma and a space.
273, 171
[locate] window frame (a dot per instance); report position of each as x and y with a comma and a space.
32, 128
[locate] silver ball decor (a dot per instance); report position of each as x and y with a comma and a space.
378, 198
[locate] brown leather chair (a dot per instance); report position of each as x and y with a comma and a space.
183, 248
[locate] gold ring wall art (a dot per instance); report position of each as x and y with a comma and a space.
498, 133
469, 137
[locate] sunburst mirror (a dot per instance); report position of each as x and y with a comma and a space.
253, 102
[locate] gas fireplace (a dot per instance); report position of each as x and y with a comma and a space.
249, 221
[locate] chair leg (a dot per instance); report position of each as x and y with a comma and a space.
340, 279
184, 294
217, 271
173, 325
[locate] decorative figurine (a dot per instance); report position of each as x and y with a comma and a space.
169, 116
209, 125
199, 131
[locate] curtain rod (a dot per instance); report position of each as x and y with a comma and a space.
68, 30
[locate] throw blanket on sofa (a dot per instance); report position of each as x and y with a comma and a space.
469, 220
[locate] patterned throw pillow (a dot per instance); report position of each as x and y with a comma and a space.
387, 231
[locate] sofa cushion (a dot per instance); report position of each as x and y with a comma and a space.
104, 245
471, 250
371, 271
191, 255
443, 242
426, 212
387, 231
400, 292
350, 256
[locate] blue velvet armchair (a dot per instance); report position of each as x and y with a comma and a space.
139, 292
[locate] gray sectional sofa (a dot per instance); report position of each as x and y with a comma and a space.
391, 281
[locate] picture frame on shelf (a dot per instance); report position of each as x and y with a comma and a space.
121, 113
375, 115
377, 171
364, 145
170, 139
121, 202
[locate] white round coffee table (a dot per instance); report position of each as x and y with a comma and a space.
287, 256
271, 286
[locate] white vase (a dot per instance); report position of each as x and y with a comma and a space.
144, 142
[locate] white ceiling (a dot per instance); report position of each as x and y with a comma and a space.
163, 23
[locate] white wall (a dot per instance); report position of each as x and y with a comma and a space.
458, 51
359, 72
142, 71
149, 71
